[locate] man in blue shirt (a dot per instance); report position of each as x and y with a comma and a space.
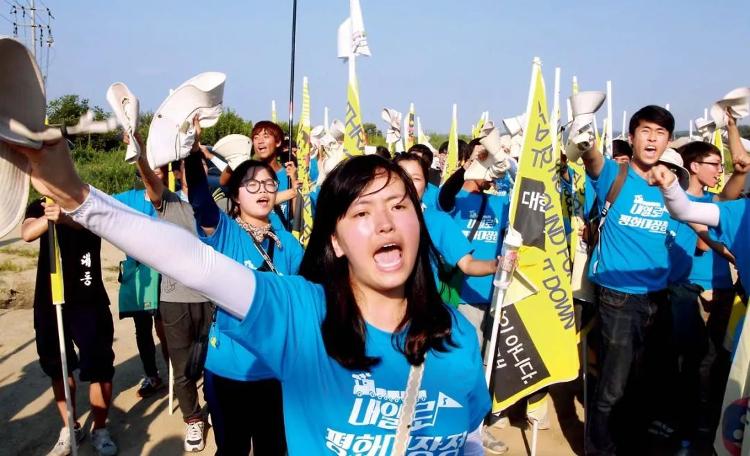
703, 290
630, 264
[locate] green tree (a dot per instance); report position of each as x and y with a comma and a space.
229, 123
67, 109
371, 130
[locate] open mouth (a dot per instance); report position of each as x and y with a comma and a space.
388, 257
263, 201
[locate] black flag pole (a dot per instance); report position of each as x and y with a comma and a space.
291, 100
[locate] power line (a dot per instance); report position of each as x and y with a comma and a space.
1, 16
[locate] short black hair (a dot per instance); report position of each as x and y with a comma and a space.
383, 152
620, 148
422, 150
695, 151
411, 156
464, 151
443, 149
655, 114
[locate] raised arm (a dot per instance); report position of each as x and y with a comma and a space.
677, 202
593, 161
204, 207
194, 264
741, 161
447, 195
154, 185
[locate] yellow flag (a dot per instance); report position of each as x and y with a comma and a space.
409, 139
451, 159
354, 133
537, 334
171, 181
303, 159
718, 141
733, 424
477, 129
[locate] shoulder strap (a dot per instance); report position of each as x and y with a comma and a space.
614, 190
267, 256
282, 217
407, 410
480, 216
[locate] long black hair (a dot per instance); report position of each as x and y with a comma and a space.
234, 184
427, 322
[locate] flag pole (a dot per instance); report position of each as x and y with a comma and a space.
511, 243
608, 124
624, 133
555, 127
291, 95
58, 299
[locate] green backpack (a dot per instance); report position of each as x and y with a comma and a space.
139, 288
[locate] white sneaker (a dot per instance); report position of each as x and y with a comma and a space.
194, 436
62, 447
103, 443
491, 444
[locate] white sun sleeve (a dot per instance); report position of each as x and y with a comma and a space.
681, 208
169, 249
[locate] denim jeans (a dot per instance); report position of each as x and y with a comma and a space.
625, 321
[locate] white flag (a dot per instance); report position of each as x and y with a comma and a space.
352, 38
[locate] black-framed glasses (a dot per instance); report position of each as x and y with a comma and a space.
714, 164
253, 185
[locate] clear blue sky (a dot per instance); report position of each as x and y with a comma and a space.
433, 52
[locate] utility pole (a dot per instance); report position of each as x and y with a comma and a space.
33, 29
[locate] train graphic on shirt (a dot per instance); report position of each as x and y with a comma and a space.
364, 385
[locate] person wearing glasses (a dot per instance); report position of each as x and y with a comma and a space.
703, 305
243, 396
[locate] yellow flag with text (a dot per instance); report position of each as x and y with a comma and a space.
304, 229
451, 159
354, 133
718, 141
536, 340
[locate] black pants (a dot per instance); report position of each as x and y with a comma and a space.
245, 415
183, 325
144, 339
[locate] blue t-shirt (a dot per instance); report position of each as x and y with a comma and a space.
632, 255
504, 185
681, 250
314, 172
488, 240
732, 231
710, 270
226, 357
447, 237
430, 196
331, 410
137, 200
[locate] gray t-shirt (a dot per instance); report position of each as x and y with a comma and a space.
175, 210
